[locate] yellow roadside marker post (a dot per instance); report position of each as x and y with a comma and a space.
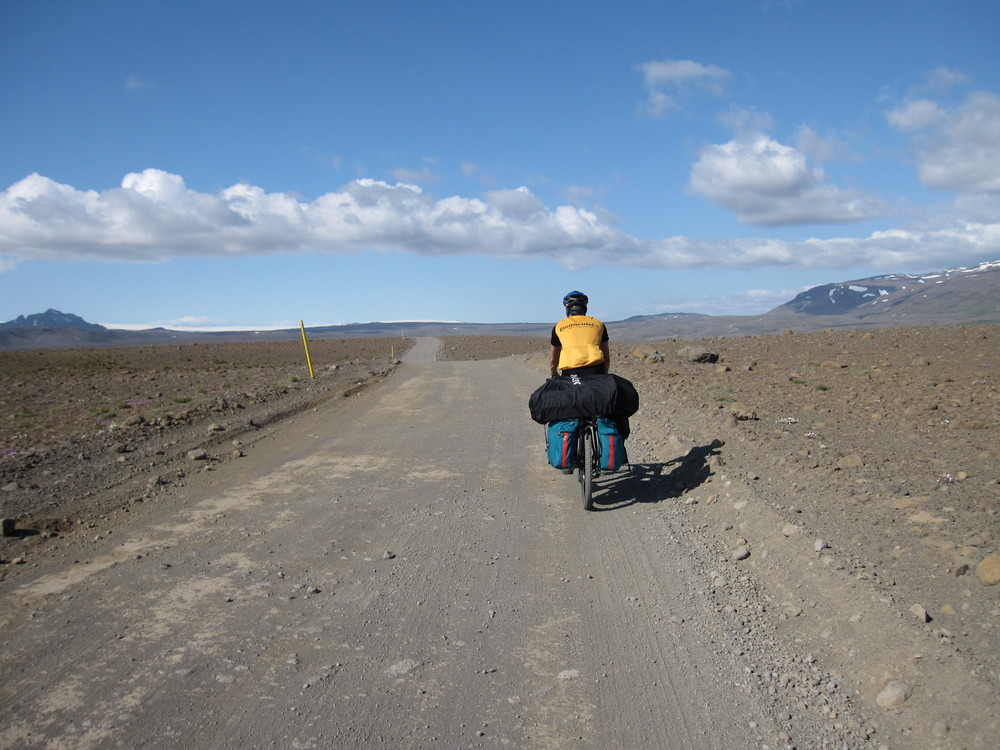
305, 343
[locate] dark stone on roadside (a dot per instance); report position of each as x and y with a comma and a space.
697, 354
853, 461
920, 612
9, 526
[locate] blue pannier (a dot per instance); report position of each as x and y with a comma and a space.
560, 440
612, 444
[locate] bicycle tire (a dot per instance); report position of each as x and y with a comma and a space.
587, 469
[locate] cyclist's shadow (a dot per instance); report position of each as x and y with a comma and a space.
655, 482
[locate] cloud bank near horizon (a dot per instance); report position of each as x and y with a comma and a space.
154, 216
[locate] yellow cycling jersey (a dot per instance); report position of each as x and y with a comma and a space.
580, 337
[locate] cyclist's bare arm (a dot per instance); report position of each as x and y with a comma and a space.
606, 351
554, 359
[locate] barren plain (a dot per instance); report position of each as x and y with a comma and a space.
88, 432
841, 489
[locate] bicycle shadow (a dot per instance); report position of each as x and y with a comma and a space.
655, 482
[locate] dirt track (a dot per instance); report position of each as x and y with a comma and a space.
377, 575
382, 576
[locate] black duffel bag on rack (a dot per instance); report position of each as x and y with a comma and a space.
575, 396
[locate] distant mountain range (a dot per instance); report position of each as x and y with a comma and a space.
52, 319
958, 296
953, 297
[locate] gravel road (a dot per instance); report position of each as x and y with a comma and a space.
402, 569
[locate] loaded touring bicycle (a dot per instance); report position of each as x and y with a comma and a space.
586, 418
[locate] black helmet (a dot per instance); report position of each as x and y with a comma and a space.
575, 303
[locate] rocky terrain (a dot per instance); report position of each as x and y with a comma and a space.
92, 432
844, 484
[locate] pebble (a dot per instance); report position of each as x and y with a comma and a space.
789, 529
853, 461
790, 611
988, 570
894, 694
920, 612
741, 553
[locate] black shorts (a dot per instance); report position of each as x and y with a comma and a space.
586, 370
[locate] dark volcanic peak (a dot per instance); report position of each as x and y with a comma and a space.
52, 319
836, 299
889, 290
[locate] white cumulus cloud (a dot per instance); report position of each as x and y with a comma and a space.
154, 216
914, 115
666, 79
956, 149
767, 183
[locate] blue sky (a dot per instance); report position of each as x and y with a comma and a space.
232, 164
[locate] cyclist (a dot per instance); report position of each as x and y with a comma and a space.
579, 342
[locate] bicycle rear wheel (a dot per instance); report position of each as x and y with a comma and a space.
587, 469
